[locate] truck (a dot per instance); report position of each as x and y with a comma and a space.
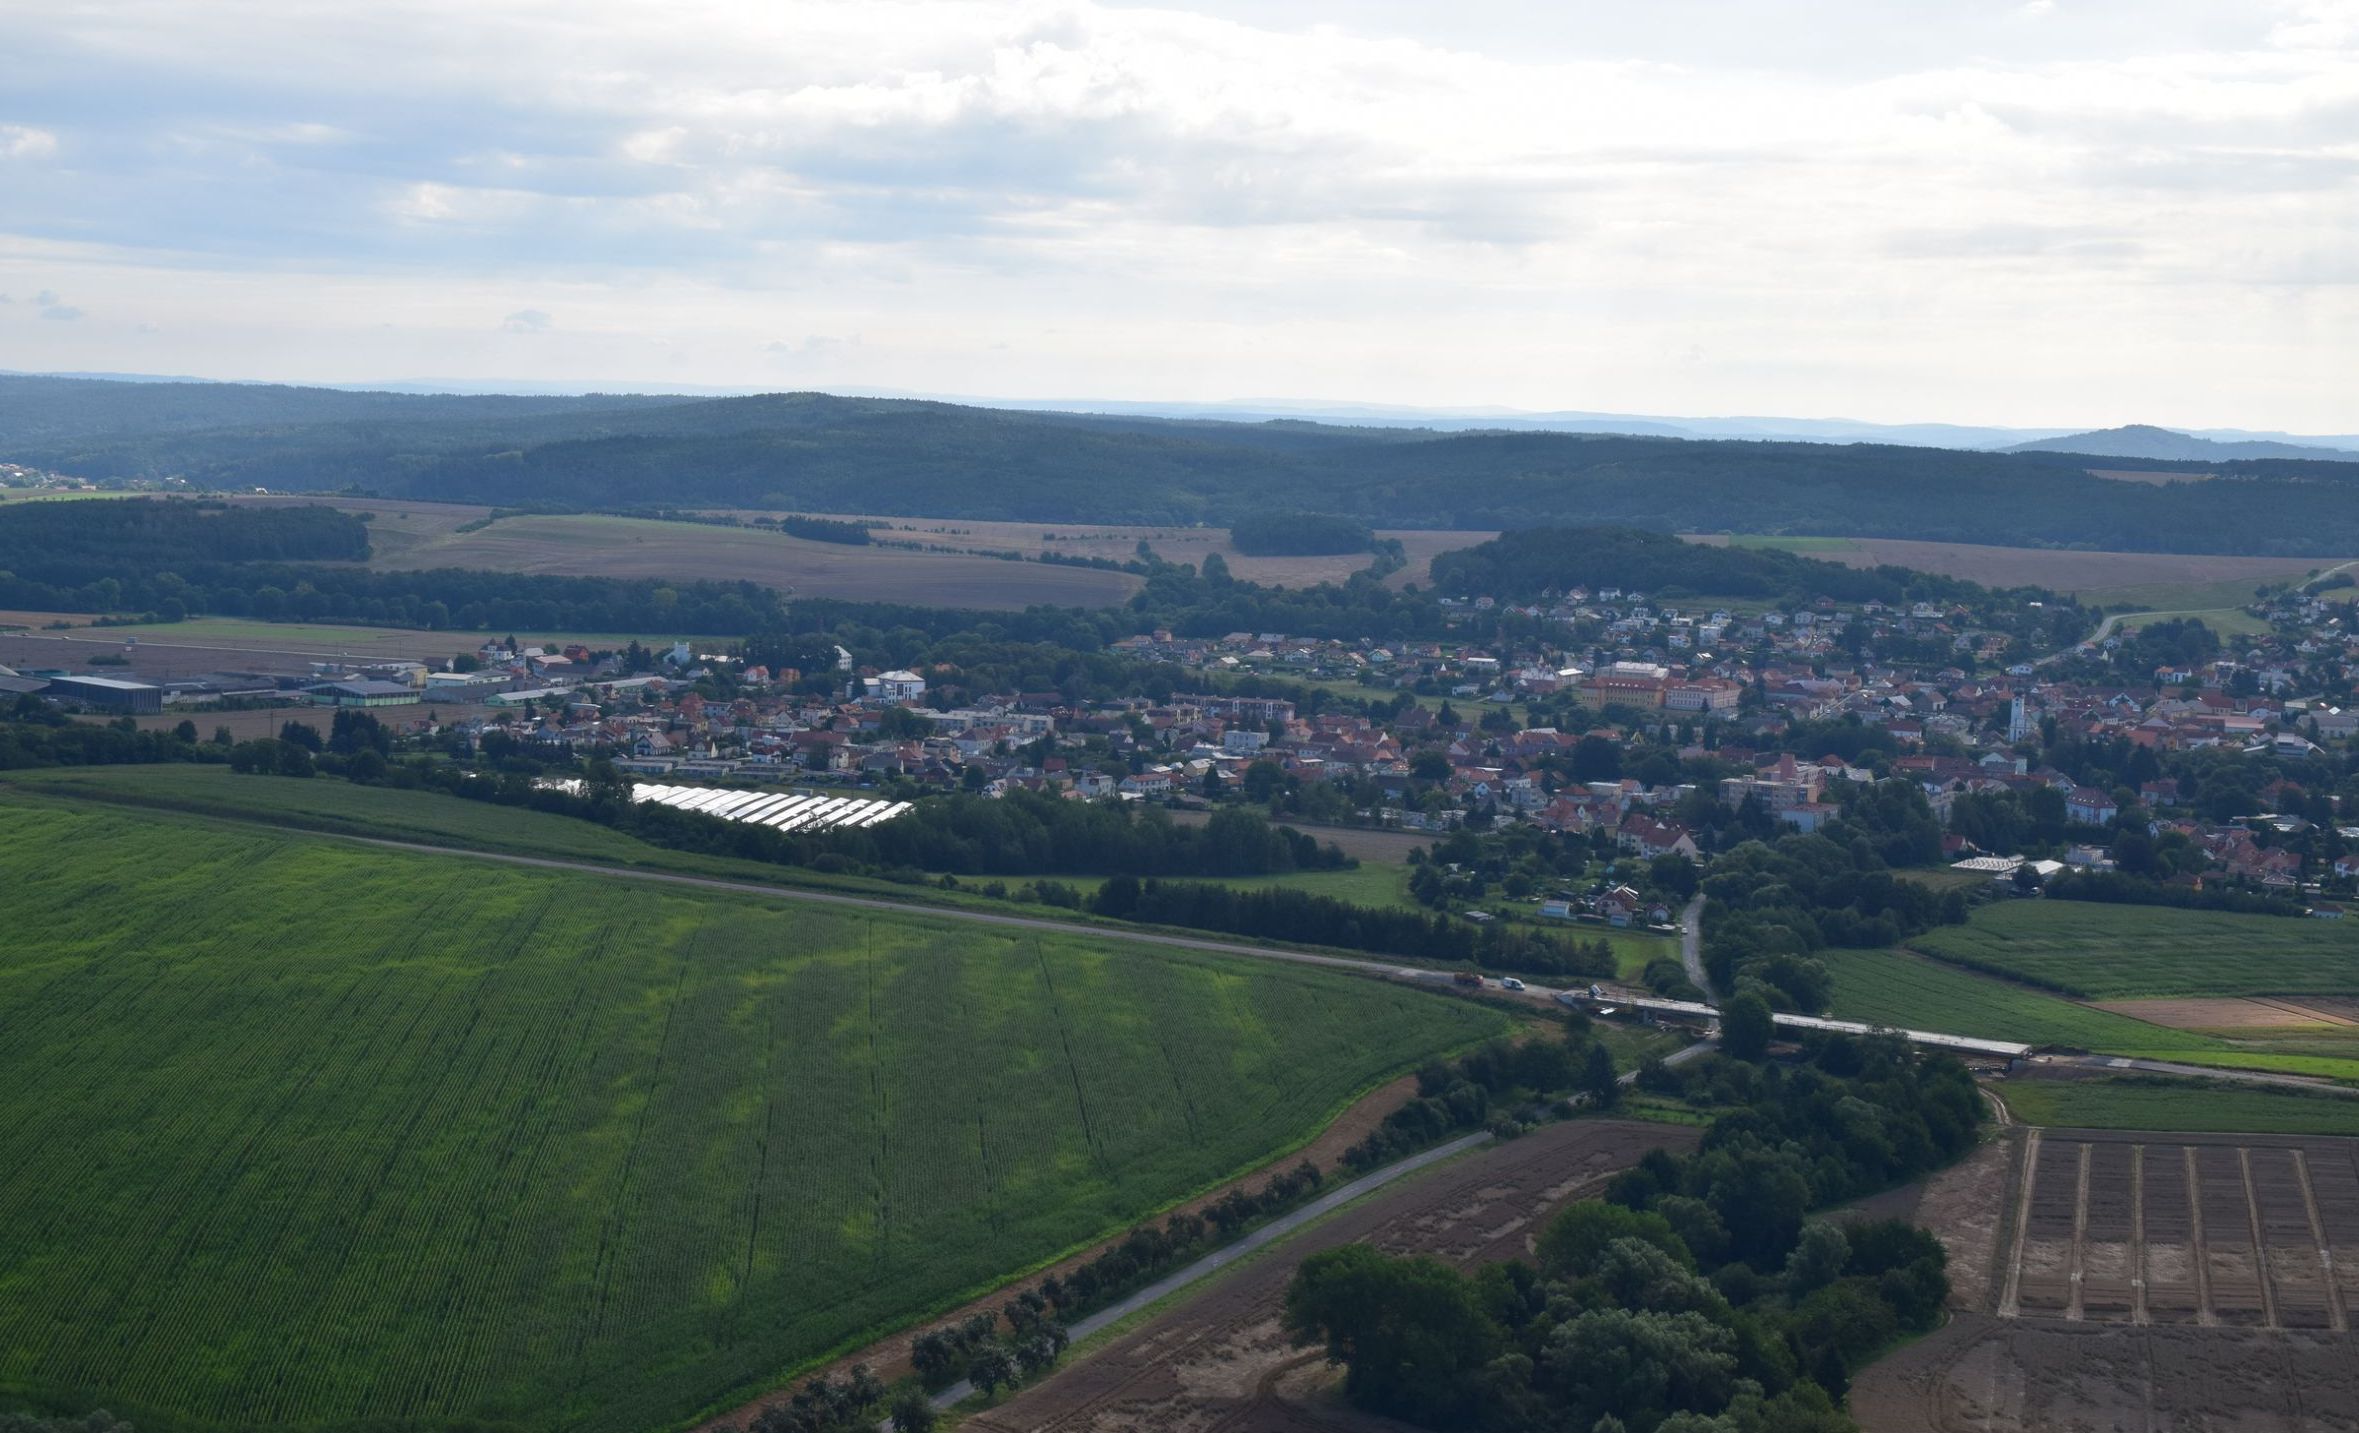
1469, 979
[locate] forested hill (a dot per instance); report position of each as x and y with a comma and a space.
817, 453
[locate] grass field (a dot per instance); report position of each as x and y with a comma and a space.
435, 819
2172, 584
2179, 1106
1899, 989
302, 1135
2106, 952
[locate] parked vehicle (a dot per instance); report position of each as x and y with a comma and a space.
1511, 983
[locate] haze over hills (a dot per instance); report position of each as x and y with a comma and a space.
2144, 440
825, 453
1338, 412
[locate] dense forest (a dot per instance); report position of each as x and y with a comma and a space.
1298, 534
1521, 565
813, 452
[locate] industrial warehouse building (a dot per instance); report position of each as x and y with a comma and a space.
108, 694
362, 694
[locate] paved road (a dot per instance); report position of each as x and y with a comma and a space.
1691, 948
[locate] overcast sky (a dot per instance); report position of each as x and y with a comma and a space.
2052, 212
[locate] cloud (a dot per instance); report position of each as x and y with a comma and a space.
19, 141
812, 347
1501, 203
52, 306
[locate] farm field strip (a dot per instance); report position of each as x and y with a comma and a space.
507, 1145
1901, 989
2108, 952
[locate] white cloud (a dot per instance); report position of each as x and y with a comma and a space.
19, 141
526, 320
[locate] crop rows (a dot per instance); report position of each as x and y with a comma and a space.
302, 1135
2106, 952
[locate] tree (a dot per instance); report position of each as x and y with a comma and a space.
913, 1412
1598, 1079
368, 768
1817, 1260
1575, 1241
992, 1369
1745, 1026
1411, 1330
301, 734
186, 733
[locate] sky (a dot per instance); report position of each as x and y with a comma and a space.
2051, 213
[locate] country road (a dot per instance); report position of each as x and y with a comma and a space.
1691, 948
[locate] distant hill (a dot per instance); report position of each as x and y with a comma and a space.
823, 453
2142, 440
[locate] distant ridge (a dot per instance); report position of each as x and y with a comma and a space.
2144, 440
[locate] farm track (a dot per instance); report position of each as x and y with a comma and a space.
1220, 1361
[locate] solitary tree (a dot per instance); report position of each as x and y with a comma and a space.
1745, 1026
1598, 1080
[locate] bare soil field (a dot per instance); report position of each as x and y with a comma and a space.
1361, 843
407, 535
289, 651
2157, 480
1173, 544
2092, 576
596, 546
2137, 1281
1220, 1360
2256, 1013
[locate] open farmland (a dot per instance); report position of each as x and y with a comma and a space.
2162, 580
2119, 1280
2187, 1106
2108, 952
407, 534
1897, 988
590, 545
304, 1135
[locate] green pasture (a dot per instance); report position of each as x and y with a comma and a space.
2179, 1106
1899, 989
2111, 952
306, 1135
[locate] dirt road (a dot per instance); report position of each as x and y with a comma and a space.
1221, 1360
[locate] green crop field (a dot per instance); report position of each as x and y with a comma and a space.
2179, 1106
304, 1135
2109, 952
1900, 989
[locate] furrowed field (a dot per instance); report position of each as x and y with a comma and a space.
2111, 952
302, 1135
